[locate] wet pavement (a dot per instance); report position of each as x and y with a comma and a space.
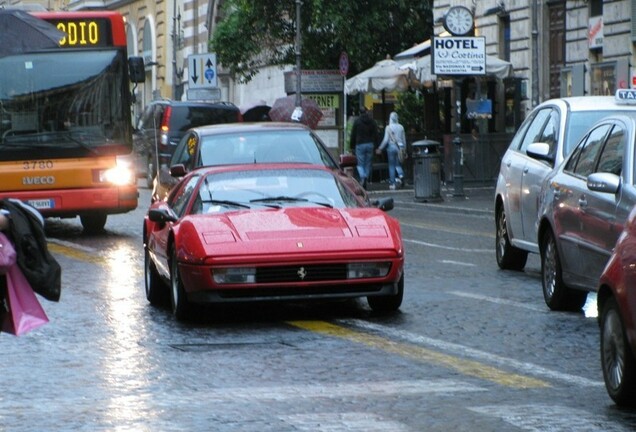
471, 198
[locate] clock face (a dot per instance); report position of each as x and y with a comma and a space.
458, 20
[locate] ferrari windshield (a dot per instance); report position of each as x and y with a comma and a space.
272, 188
263, 147
65, 104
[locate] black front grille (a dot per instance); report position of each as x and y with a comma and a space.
301, 273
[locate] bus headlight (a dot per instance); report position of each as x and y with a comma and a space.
120, 175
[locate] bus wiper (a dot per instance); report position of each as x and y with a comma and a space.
44, 140
81, 143
290, 199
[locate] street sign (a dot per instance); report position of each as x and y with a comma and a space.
344, 63
202, 71
204, 94
625, 96
458, 56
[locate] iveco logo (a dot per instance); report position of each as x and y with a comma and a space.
38, 180
301, 273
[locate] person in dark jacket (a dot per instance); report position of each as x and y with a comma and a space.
25, 229
364, 136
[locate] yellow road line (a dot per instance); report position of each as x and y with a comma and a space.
75, 253
466, 367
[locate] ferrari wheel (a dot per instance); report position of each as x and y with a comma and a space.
508, 256
156, 290
617, 359
556, 294
180, 304
388, 303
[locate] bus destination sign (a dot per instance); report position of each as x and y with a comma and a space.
83, 32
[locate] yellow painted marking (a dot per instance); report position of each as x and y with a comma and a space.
466, 367
75, 253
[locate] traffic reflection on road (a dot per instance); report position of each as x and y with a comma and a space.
124, 365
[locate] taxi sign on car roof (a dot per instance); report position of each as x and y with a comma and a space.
626, 96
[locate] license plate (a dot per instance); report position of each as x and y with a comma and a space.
42, 204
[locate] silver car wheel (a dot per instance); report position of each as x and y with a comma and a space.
502, 234
549, 268
508, 256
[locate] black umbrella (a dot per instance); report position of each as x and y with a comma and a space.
255, 111
22, 32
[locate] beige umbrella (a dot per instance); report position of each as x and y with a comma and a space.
385, 75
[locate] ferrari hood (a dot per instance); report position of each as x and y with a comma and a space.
297, 229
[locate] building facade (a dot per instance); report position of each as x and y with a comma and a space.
557, 47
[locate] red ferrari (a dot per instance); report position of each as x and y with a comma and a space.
616, 302
259, 232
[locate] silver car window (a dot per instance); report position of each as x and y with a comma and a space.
611, 160
592, 146
550, 134
535, 130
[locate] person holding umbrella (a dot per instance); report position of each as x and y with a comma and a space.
364, 136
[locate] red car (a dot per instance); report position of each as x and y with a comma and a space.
616, 301
255, 232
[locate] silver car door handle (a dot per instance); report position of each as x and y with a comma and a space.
525, 170
583, 201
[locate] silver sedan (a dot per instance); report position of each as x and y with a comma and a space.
583, 206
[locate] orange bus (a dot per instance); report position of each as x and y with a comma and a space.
66, 127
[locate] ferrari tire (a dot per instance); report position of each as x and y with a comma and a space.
557, 295
156, 290
388, 303
617, 358
508, 256
181, 307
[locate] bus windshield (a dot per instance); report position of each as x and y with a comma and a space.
64, 104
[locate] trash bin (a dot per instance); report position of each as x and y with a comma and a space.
426, 170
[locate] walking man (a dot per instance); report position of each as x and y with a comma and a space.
364, 136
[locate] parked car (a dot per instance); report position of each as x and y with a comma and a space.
250, 143
583, 206
555, 127
164, 122
257, 232
616, 302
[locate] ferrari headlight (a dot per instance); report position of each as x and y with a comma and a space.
367, 270
234, 275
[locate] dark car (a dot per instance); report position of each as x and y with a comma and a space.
616, 302
164, 122
243, 143
263, 232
